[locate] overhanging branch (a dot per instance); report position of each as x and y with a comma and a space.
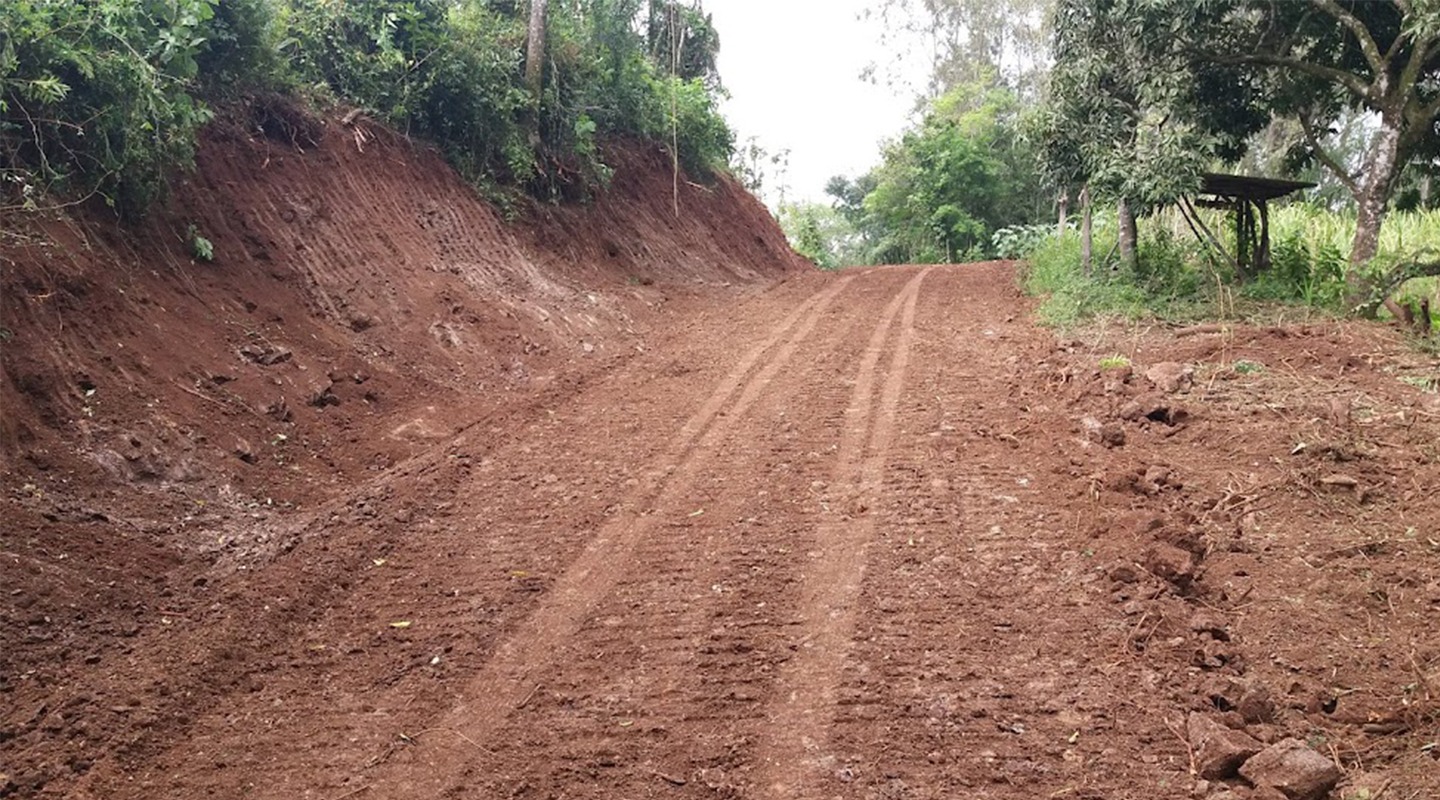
1356, 84
1324, 157
1425, 264
1362, 33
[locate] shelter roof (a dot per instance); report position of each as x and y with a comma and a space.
1250, 188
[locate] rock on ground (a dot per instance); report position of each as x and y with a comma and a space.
1219, 751
1292, 767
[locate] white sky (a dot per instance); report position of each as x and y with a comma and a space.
792, 68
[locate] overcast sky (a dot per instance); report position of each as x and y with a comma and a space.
793, 71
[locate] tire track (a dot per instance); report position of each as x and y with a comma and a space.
509, 678
477, 509
808, 684
685, 648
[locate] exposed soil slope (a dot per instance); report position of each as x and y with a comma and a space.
163, 421
867, 535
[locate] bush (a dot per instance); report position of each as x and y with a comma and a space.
240, 52
1165, 267
1019, 241
106, 96
1070, 296
96, 98
1303, 271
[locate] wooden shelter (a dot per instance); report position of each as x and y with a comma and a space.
1248, 201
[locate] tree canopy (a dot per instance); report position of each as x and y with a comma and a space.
1145, 93
107, 97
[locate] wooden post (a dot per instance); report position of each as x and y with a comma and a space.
1263, 260
1242, 251
1086, 232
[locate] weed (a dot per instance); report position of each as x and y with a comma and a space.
1244, 367
1114, 361
201, 249
1424, 384
1174, 278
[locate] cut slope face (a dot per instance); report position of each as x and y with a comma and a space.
164, 421
356, 282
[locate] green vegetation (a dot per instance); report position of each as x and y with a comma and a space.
106, 97
1145, 97
201, 249
1173, 276
941, 192
1116, 110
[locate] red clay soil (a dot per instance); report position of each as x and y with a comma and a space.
584, 521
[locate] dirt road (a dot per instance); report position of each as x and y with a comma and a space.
840, 540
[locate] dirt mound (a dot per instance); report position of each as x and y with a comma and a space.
162, 418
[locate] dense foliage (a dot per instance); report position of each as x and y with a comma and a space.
1107, 113
99, 97
107, 96
942, 188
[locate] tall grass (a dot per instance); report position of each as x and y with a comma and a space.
1053, 271
1322, 234
1177, 278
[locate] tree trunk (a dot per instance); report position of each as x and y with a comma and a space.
1064, 204
1381, 166
535, 51
1087, 241
1128, 235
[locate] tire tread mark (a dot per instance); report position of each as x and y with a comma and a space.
503, 683
808, 683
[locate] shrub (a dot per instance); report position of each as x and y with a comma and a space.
1019, 241
105, 96
1070, 296
95, 98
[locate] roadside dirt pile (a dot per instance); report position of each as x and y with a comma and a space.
161, 419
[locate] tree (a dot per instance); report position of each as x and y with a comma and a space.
535, 51
1313, 61
1327, 55
683, 41
1128, 116
948, 183
972, 40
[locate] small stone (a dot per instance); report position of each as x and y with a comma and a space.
1211, 622
1290, 766
1156, 479
1112, 434
1256, 706
1219, 751
1171, 563
1123, 573
1340, 482
1171, 377
244, 451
